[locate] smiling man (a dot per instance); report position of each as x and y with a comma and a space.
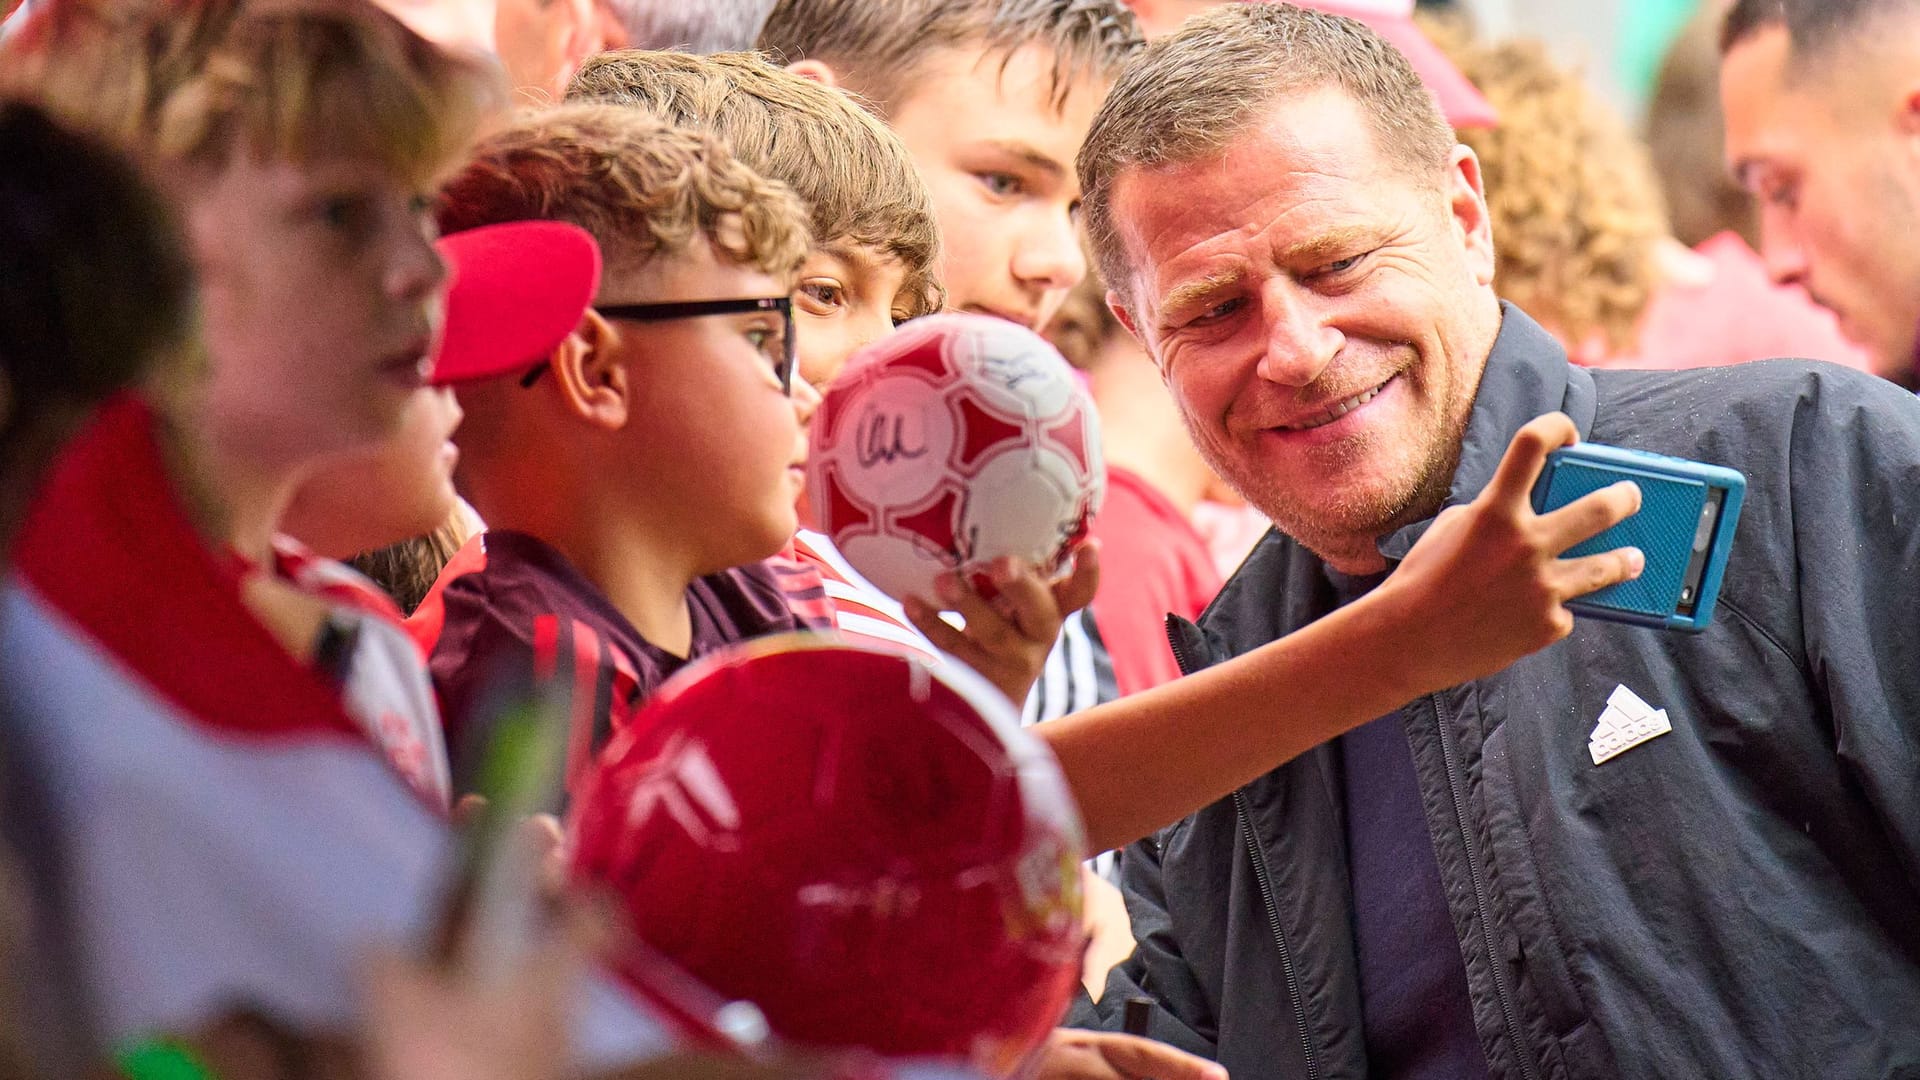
1463, 888
1822, 100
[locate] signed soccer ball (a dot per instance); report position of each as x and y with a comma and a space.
955, 441
866, 847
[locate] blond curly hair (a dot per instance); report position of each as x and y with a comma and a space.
644, 188
1576, 211
852, 171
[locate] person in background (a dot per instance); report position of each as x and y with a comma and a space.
541, 43
402, 489
1581, 240
992, 99
711, 26
173, 672
1155, 481
96, 297
669, 443
1821, 110
1686, 135
870, 267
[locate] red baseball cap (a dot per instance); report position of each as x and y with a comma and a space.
1460, 101
518, 289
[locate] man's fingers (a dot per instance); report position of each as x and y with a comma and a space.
1591, 573
1526, 455
1590, 515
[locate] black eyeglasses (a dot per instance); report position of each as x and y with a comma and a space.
778, 348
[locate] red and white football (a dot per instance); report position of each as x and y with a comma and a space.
955, 441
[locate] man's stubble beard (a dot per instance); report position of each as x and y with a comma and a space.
1344, 529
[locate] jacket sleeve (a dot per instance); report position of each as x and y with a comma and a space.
1855, 491
1156, 970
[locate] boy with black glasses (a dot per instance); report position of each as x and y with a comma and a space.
634, 478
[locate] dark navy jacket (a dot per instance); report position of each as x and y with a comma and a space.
1738, 898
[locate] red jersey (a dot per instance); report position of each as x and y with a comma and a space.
1152, 563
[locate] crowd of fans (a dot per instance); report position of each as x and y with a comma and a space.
359, 356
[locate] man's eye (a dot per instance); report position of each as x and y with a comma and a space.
1345, 264
999, 183
1781, 195
1217, 312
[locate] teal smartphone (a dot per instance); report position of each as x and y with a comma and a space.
1685, 526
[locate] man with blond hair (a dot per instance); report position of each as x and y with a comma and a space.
1483, 882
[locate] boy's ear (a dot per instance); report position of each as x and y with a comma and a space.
817, 70
593, 381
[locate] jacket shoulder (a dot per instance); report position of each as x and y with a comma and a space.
1753, 414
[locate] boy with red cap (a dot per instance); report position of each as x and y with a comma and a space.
633, 477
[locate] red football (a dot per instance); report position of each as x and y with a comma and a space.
867, 848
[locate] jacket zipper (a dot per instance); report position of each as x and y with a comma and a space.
1279, 937
1260, 875
1494, 960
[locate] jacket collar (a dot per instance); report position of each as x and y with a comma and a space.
1527, 374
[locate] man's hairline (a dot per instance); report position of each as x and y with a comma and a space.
1802, 60
1130, 296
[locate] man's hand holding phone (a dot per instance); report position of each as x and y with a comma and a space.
1490, 576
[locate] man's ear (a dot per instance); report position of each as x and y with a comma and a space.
593, 381
817, 70
1120, 311
1467, 204
1116, 305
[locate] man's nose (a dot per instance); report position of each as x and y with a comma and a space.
1780, 250
1299, 343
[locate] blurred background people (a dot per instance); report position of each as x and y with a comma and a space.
1581, 237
